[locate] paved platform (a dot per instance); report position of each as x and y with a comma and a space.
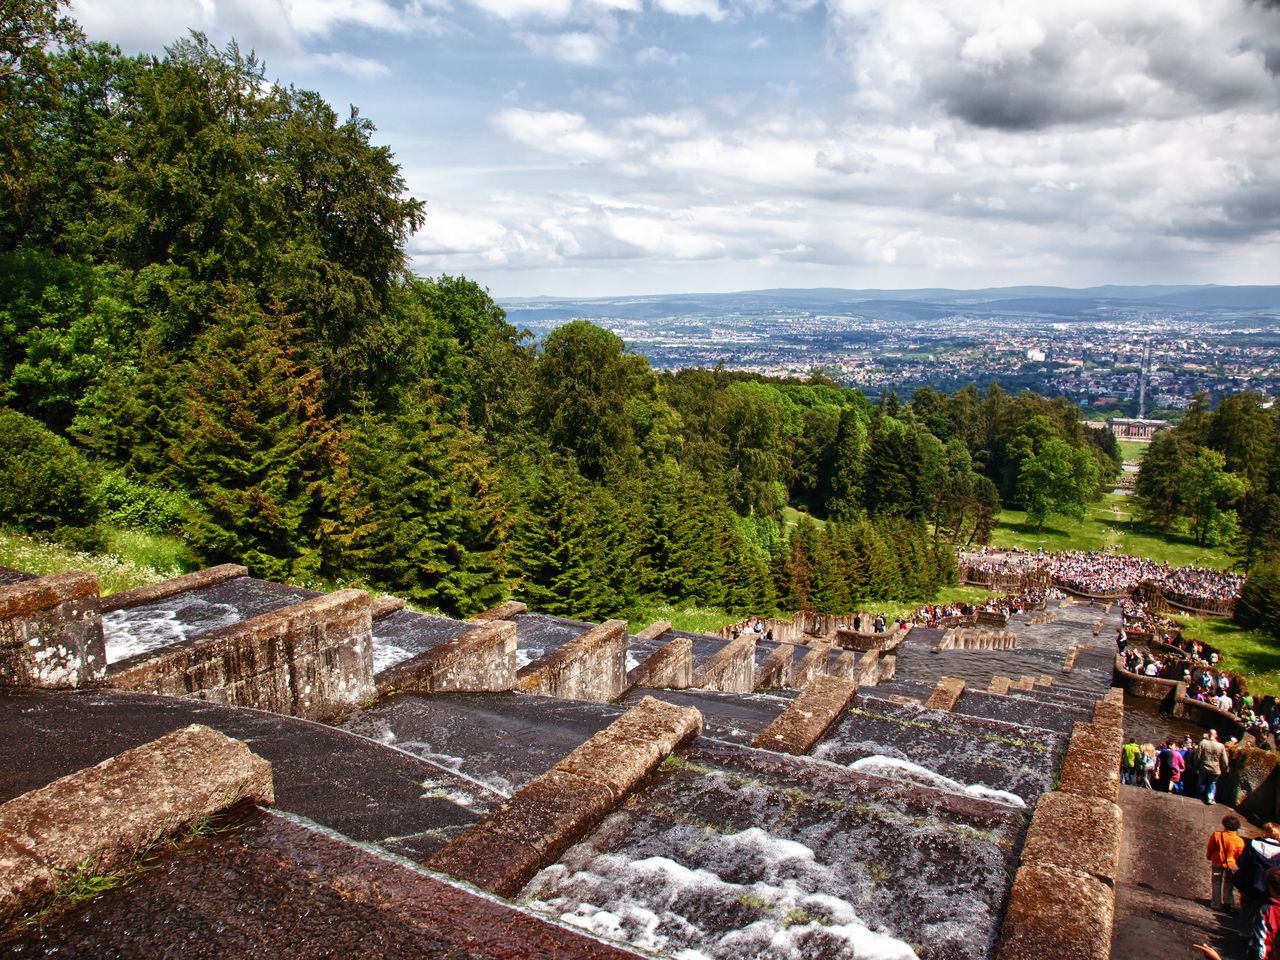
1162, 890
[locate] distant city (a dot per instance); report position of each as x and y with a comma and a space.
1085, 344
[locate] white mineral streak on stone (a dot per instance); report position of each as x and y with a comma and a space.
632, 661
894, 768
639, 902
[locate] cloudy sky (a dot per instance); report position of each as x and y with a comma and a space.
597, 147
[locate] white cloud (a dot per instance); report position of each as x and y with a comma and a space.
557, 132
654, 54
693, 8
583, 49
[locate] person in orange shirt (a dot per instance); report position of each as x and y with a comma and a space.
1221, 852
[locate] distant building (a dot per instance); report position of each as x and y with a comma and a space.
1035, 356
1136, 429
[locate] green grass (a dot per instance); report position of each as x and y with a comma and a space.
905, 609
1250, 652
1132, 450
115, 571
692, 619
1109, 524
791, 517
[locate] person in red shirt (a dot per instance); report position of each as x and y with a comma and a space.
1264, 940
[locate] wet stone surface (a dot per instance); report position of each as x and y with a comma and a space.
974, 752
275, 889
403, 635
704, 646
732, 717
538, 635
734, 853
640, 650
1026, 710
150, 626
1147, 723
357, 787
503, 740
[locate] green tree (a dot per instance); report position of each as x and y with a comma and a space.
1208, 493
439, 527
1056, 478
267, 470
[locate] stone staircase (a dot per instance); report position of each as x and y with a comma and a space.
668, 791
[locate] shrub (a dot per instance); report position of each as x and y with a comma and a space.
137, 506
47, 483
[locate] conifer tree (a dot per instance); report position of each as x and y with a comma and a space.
267, 470
439, 536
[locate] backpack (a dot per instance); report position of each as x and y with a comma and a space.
1252, 867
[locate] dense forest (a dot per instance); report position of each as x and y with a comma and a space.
208, 330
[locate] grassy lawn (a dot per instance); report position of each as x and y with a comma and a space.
1132, 450
1109, 524
1254, 654
692, 619
791, 517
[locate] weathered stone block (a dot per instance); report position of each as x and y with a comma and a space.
1109, 713
867, 671
51, 632
888, 663
486, 860
776, 669
504, 850
592, 666
946, 694
670, 667
1091, 767
1075, 833
620, 756
1024, 682
999, 685
1057, 913
385, 606
731, 669
551, 813
503, 611
482, 660
104, 815
153, 592
313, 659
809, 716
654, 630
813, 664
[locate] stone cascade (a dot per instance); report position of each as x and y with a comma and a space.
975, 638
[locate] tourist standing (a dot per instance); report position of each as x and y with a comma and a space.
1224, 847
1130, 757
1212, 761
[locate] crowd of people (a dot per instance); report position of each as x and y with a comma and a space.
1177, 766
938, 614
1250, 868
1101, 573
1109, 574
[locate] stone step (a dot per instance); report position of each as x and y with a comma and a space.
503, 740
975, 751
402, 635
733, 852
151, 626
1022, 710
364, 789
732, 717
275, 888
